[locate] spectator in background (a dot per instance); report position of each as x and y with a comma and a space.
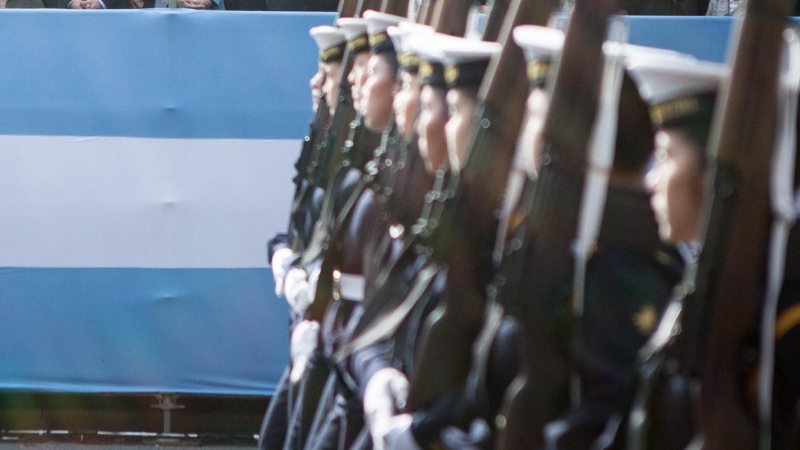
92, 4
281, 5
191, 4
21, 4
725, 7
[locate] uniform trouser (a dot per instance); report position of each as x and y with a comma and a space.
276, 421
324, 407
305, 406
340, 427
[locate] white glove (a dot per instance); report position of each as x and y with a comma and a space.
299, 290
278, 264
398, 435
305, 338
385, 393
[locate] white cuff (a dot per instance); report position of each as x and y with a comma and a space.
305, 339
278, 263
398, 435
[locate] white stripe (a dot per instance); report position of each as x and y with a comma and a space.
135, 202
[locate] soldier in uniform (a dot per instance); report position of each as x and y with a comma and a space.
380, 369
681, 92
628, 284
682, 97
330, 43
339, 418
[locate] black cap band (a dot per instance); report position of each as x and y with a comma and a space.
358, 44
409, 62
538, 72
380, 43
332, 54
432, 74
466, 74
683, 110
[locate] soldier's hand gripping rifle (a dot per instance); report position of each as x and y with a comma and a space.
540, 391
461, 229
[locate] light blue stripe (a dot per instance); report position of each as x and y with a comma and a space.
157, 73
210, 331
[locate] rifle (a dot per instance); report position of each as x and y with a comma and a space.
731, 267
474, 192
347, 8
425, 14
298, 230
395, 7
718, 316
540, 390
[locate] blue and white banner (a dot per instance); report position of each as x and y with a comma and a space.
145, 157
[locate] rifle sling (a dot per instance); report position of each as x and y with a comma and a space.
385, 326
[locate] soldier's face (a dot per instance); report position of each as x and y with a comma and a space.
316, 83
377, 94
405, 103
330, 85
676, 183
461, 106
431, 142
357, 76
530, 142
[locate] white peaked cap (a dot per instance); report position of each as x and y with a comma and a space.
426, 45
538, 42
377, 21
402, 32
326, 36
459, 50
397, 36
663, 75
352, 27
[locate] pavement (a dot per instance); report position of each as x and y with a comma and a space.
94, 441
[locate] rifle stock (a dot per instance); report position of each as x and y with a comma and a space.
395, 7
466, 246
540, 391
731, 267
450, 17
304, 186
347, 8
425, 15
496, 18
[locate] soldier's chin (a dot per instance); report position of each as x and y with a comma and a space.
369, 122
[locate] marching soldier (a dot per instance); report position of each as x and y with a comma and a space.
339, 422
382, 367
681, 92
330, 43
682, 96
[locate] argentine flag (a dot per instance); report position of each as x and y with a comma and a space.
145, 157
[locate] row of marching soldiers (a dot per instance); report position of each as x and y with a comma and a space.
514, 231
